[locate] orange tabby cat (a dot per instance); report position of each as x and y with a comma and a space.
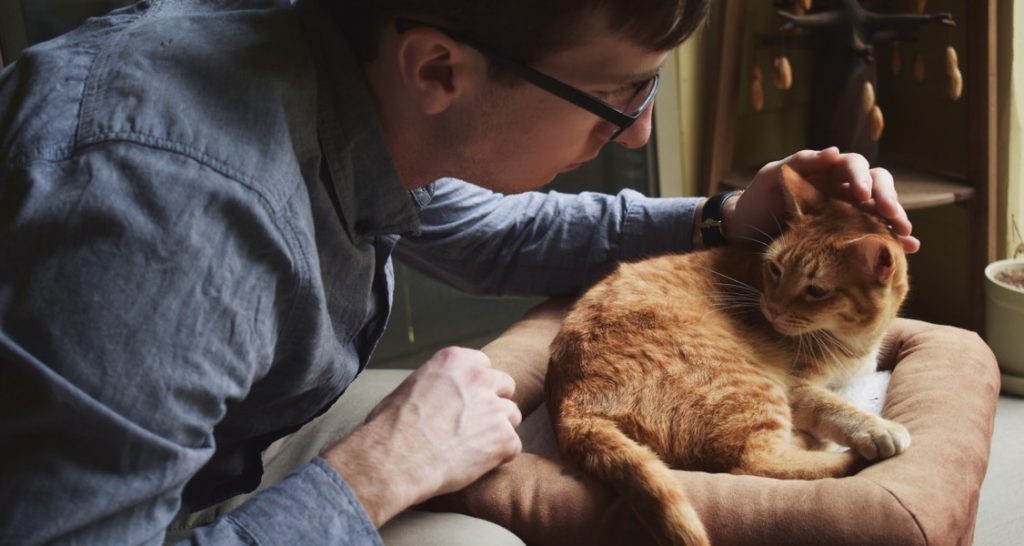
712, 360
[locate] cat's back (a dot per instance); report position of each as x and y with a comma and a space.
644, 311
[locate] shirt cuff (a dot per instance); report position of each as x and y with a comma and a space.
314, 505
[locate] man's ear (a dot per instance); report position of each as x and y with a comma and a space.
433, 68
801, 196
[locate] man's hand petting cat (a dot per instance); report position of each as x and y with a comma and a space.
446, 425
761, 210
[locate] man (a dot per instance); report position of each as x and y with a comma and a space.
198, 205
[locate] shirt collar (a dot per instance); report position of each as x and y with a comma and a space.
364, 176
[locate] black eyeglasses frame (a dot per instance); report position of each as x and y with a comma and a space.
556, 87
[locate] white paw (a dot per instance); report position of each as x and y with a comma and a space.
880, 440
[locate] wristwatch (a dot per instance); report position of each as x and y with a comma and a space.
711, 218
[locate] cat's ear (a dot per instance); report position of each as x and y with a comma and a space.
877, 256
801, 196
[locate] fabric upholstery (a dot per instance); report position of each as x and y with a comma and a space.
944, 388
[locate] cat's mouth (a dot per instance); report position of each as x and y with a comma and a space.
780, 321
785, 328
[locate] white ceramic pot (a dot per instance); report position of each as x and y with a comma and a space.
1004, 324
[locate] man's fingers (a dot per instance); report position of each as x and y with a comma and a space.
515, 449
910, 243
833, 171
504, 385
883, 191
855, 169
514, 415
887, 202
813, 159
813, 163
884, 202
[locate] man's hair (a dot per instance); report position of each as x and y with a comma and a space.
526, 30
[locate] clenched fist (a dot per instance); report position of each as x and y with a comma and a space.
446, 425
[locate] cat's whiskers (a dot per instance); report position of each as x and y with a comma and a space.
846, 353
763, 232
797, 354
733, 294
810, 347
827, 354
735, 297
838, 343
833, 352
723, 275
736, 293
731, 308
732, 288
768, 237
758, 242
777, 223
733, 281
805, 349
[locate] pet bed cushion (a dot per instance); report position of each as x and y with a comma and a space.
943, 388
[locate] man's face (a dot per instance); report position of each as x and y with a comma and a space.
520, 137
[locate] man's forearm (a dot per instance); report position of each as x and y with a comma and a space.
385, 482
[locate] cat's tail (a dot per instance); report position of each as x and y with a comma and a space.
640, 476
772, 456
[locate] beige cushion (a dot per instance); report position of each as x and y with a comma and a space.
415, 528
944, 388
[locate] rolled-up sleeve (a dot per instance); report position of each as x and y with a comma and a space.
540, 244
311, 506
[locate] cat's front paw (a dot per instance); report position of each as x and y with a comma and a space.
880, 439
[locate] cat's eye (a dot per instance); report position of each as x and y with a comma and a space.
815, 292
774, 269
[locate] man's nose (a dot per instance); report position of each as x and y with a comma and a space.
639, 133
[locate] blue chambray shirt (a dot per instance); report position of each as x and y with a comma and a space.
197, 218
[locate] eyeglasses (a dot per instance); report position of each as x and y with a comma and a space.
636, 100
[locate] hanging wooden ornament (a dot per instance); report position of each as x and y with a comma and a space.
952, 63
956, 84
956, 79
805, 4
920, 5
895, 59
756, 74
919, 67
756, 89
783, 75
877, 123
867, 97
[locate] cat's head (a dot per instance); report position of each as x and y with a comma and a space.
835, 268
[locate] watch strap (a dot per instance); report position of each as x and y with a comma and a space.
711, 219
